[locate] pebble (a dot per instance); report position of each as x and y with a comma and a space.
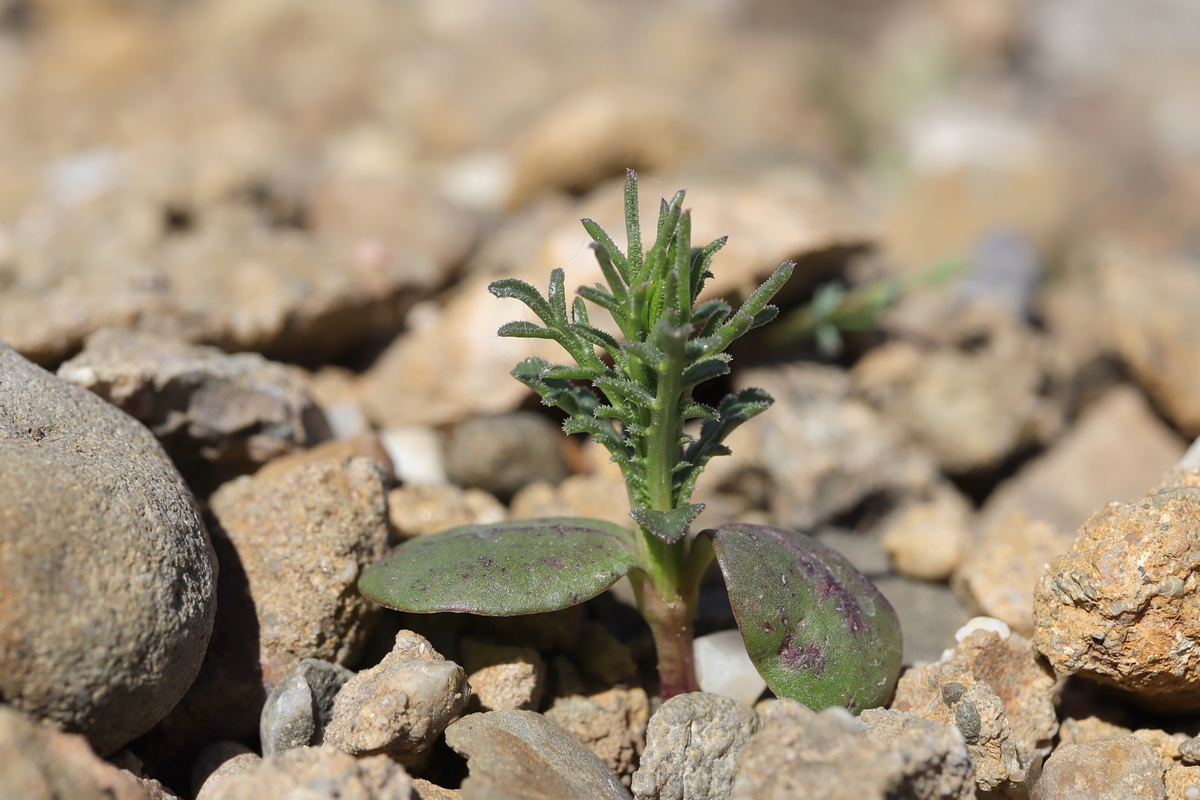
300, 706
316, 773
521, 755
1105, 769
692, 746
401, 705
503, 677
217, 762
928, 540
40, 762
503, 453
108, 572
724, 668
421, 509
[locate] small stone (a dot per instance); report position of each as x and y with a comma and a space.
692, 746
612, 724
401, 705
1112, 452
418, 454
503, 677
1106, 769
724, 668
521, 755
596, 496
217, 762
502, 453
421, 509
1182, 782
40, 762
299, 707
424, 790
928, 540
317, 773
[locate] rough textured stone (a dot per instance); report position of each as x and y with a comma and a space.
291, 548
521, 755
502, 453
503, 677
401, 705
998, 576
317, 773
1106, 769
998, 693
611, 723
40, 762
692, 746
1182, 782
218, 415
299, 707
799, 753
107, 575
1121, 606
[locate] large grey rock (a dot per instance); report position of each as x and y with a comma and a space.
521, 755
107, 575
692, 746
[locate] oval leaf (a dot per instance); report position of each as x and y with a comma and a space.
506, 568
816, 628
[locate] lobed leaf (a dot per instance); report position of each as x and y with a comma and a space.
519, 289
670, 526
503, 569
815, 627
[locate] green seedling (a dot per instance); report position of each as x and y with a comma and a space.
817, 629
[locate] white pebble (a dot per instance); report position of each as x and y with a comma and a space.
983, 624
722, 667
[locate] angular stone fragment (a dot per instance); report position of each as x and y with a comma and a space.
692, 746
503, 677
218, 415
1123, 606
612, 724
300, 706
401, 705
521, 755
833, 756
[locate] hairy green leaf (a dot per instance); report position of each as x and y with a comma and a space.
815, 627
670, 526
503, 569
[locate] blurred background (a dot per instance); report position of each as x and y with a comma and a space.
293, 176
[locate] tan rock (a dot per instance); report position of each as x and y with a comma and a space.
320, 773
503, 676
611, 723
420, 509
1123, 606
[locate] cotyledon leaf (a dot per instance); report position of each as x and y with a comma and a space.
504, 568
815, 627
